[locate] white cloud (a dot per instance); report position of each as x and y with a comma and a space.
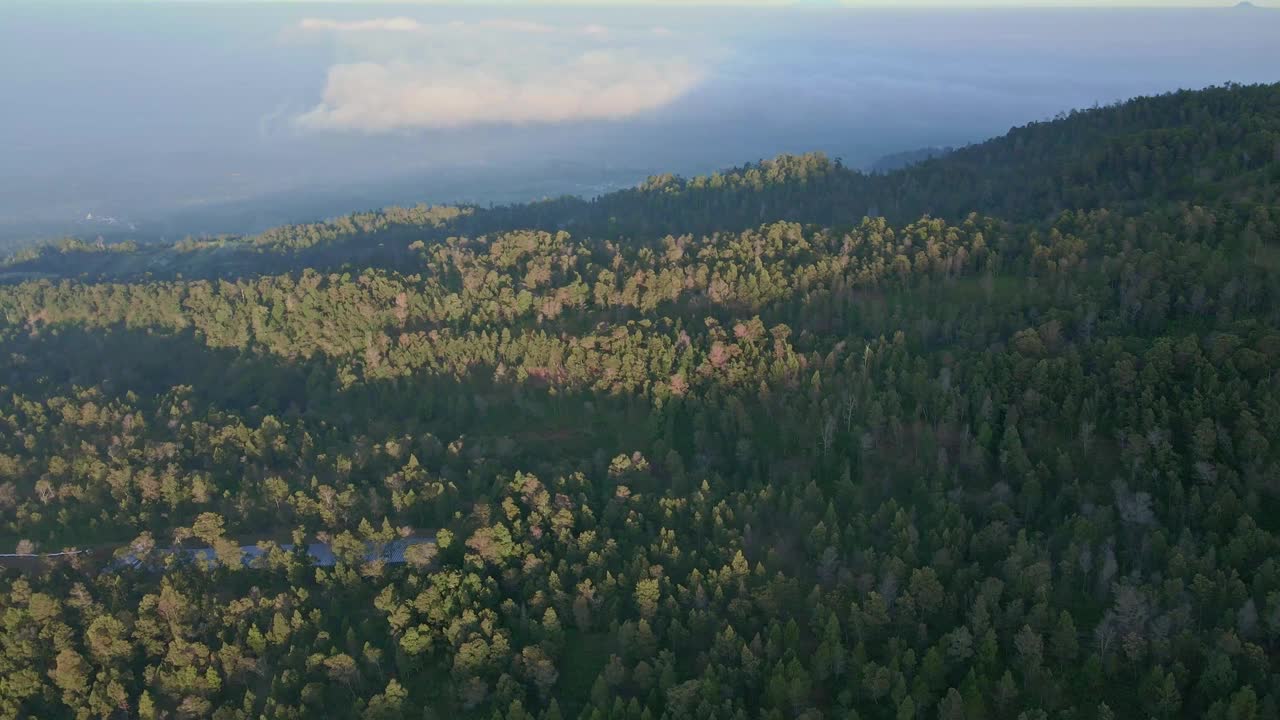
517, 26
398, 73
407, 24
389, 96
394, 24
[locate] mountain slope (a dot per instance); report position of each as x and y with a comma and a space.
1219, 145
1190, 145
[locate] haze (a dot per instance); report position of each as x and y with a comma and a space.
162, 119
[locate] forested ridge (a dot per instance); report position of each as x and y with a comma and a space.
996, 435
1190, 146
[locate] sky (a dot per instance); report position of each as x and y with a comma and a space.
962, 4
200, 116
879, 4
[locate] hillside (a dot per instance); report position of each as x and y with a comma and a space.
899, 160
1220, 144
991, 436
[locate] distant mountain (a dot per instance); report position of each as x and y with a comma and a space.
1217, 144
907, 158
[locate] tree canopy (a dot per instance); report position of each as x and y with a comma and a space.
995, 435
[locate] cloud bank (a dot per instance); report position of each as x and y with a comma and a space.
411, 75
376, 97
395, 24
408, 24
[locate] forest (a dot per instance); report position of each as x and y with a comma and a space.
995, 434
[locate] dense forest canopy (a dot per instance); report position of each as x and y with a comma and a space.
994, 435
